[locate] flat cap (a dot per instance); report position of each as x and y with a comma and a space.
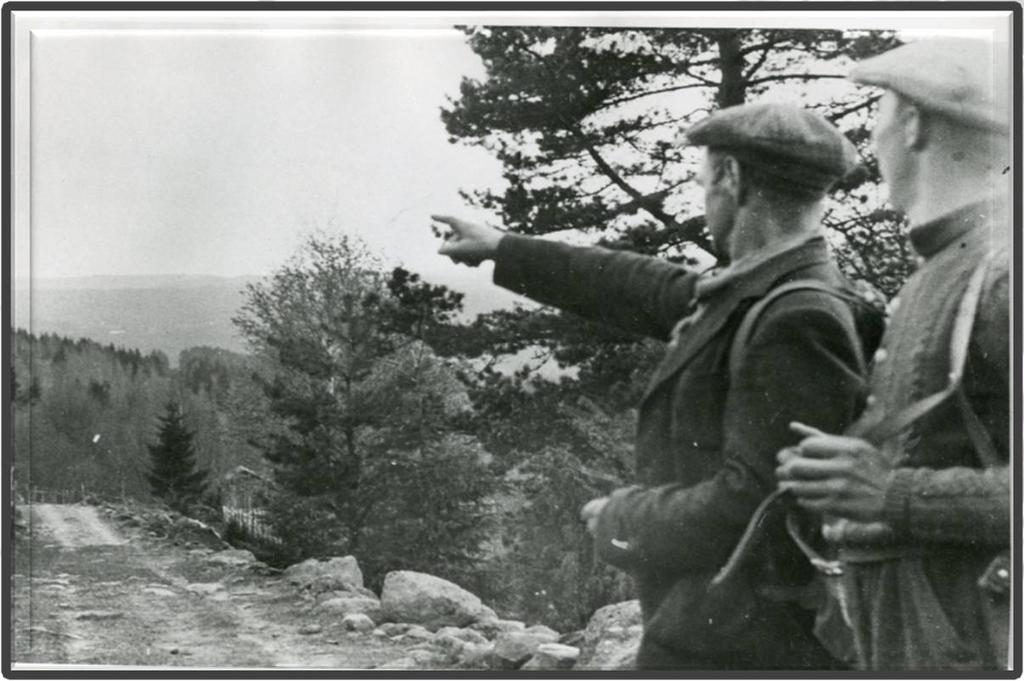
789, 142
965, 80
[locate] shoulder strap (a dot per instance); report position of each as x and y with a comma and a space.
963, 325
746, 329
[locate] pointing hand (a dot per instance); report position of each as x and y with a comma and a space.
468, 242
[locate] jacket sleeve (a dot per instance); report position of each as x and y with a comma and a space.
803, 364
963, 504
636, 293
951, 505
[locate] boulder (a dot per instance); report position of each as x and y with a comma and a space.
474, 656
338, 573
395, 628
543, 631
449, 646
232, 558
553, 656
352, 604
513, 648
465, 635
612, 637
426, 659
417, 632
424, 599
357, 621
493, 627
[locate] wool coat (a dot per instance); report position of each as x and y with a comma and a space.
706, 446
923, 608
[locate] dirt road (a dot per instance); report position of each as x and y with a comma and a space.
86, 592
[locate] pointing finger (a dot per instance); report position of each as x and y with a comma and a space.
805, 431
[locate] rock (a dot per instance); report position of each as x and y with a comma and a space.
513, 648
232, 558
475, 655
486, 613
428, 600
395, 628
612, 637
99, 615
543, 631
465, 635
426, 658
417, 632
308, 629
553, 656
572, 638
159, 591
338, 573
379, 633
491, 628
449, 645
357, 621
352, 604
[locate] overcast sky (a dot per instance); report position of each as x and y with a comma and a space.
212, 151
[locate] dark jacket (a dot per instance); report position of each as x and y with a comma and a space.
706, 449
950, 510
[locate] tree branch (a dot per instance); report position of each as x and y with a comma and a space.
835, 116
758, 64
794, 76
650, 93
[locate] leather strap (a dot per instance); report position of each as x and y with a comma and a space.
880, 431
960, 338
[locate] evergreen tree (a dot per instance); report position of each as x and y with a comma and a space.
174, 476
369, 454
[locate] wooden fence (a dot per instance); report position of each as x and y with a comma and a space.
242, 509
46, 495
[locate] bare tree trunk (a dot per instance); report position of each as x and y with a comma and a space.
733, 87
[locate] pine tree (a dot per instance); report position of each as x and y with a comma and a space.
173, 476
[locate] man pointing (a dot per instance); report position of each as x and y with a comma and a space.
713, 416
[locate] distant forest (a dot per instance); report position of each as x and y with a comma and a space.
84, 412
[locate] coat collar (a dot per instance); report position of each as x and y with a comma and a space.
716, 303
930, 237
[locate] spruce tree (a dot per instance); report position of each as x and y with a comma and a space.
173, 474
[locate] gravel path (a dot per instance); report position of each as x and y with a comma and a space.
89, 593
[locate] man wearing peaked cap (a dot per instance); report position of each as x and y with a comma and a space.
790, 145
715, 412
919, 488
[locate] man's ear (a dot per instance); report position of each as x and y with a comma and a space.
728, 176
912, 122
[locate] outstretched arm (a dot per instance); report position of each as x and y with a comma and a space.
638, 294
